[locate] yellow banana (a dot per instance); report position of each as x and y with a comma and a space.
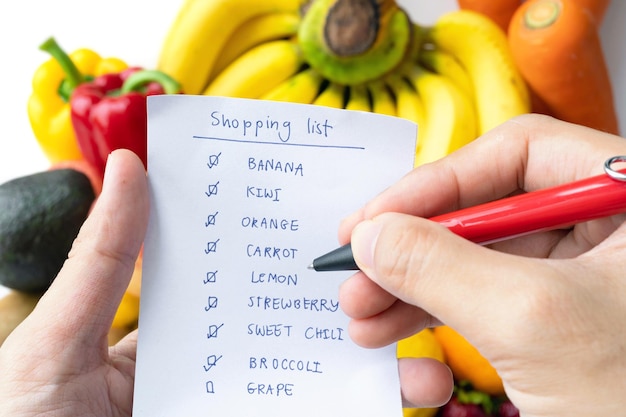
446, 64
382, 100
200, 30
409, 104
482, 48
332, 96
257, 71
450, 117
262, 28
359, 98
301, 88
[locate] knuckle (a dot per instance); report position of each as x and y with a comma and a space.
404, 258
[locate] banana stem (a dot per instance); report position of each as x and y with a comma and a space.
352, 26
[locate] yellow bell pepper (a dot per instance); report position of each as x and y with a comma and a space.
48, 105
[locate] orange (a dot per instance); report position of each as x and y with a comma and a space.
420, 345
467, 363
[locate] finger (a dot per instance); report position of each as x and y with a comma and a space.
424, 264
378, 318
399, 321
84, 297
360, 297
609, 256
562, 243
127, 347
123, 354
526, 153
586, 236
425, 382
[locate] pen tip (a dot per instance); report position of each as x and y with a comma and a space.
311, 266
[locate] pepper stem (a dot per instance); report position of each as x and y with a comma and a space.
73, 76
140, 78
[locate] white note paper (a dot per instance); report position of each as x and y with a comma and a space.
244, 195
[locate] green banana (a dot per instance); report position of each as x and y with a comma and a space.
354, 41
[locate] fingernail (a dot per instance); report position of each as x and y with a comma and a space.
364, 237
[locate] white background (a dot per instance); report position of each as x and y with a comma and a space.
134, 30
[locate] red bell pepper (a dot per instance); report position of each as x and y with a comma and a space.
109, 112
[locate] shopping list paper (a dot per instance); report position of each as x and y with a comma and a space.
244, 195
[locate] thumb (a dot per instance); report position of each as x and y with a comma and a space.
83, 298
422, 263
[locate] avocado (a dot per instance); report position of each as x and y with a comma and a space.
40, 216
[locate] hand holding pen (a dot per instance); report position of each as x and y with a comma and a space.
532, 305
557, 207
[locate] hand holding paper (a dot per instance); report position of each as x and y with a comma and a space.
244, 193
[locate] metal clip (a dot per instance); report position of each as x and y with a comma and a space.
608, 168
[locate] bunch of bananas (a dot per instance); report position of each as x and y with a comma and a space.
455, 79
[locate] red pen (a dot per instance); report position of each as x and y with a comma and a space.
548, 209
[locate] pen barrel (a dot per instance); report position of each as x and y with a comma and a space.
547, 209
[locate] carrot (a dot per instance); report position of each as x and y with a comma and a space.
500, 11
597, 8
556, 46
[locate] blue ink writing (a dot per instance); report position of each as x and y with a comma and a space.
269, 223
272, 165
276, 330
273, 252
211, 247
318, 128
214, 160
273, 278
211, 303
211, 189
270, 389
324, 334
283, 303
213, 329
256, 128
209, 387
211, 277
264, 193
211, 361
285, 364
210, 220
